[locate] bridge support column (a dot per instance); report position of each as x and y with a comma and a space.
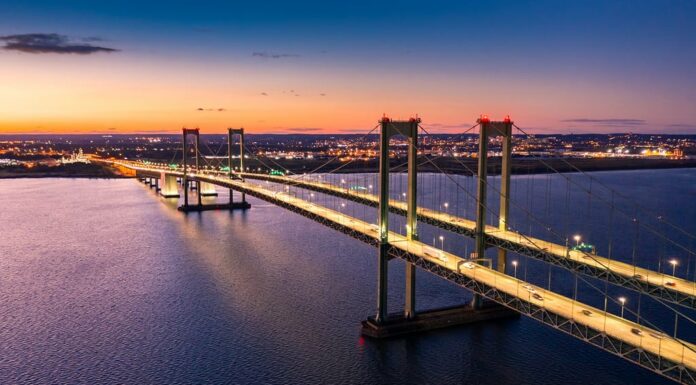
411, 219
492, 129
207, 189
505, 171
390, 128
230, 134
199, 196
169, 186
186, 132
481, 197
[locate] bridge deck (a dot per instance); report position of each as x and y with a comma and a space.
663, 286
667, 287
651, 340
644, 346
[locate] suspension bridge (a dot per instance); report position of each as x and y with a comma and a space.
582, 303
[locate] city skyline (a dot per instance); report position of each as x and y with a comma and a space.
594, 67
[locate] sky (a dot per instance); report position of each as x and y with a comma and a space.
337, 67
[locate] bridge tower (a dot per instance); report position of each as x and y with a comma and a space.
489, 130
230, 134
196, 134
408, 129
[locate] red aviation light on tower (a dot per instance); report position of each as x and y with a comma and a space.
484, 119
384, 119
507, 119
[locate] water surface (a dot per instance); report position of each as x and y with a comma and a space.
101, 281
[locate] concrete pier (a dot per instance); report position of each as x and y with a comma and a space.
169, 186
398, 324
208, 190
215, 206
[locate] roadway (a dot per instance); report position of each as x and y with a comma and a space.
666, 287
633, 277
649, 340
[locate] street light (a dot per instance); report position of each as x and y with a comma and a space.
445, 205
674, 264
514, 264
623, 303
577, 239
442, 242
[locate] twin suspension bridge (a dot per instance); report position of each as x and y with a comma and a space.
615, 297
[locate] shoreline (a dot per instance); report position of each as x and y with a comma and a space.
45, 176
524, 167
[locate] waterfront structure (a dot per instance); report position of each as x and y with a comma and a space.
639, 343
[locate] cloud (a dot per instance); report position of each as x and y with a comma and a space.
273, 55
322, 94
607, 122
39, 43
93, 39
211, 109
264, 94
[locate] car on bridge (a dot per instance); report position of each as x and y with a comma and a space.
434, 253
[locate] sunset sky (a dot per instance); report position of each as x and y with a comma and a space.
317, 67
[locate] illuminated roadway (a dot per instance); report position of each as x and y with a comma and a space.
672, 353
665, 286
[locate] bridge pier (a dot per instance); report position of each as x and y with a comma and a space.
207, 189
398, 324
169, 186
215, 206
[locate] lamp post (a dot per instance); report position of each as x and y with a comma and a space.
514, 264
577, 239
674, 264
442, 242
623, 303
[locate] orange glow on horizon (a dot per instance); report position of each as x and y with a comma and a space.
126, 94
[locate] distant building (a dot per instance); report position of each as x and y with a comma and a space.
78, 157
